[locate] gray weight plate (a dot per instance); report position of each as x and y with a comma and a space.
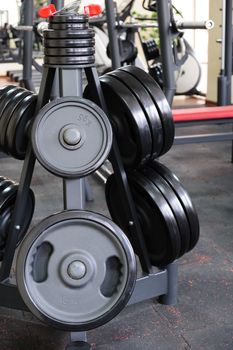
69, 60
70, 26
68, 34
65, 43
76, 270
68, 18
73, 146
70, 51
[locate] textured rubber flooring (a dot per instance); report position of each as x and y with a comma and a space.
202, 318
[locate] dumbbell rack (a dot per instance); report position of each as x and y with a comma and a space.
162, 283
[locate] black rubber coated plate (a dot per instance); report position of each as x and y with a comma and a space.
16, 137
160, 101
148, 106
14, 101
174, 204
5, 89
70, 26
65, 43
7, 201
184, 198
158, 223
131, 127
68, 34
68, 18
5, 96
128, 51
70, 60
79, 51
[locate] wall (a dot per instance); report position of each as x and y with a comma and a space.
12, 7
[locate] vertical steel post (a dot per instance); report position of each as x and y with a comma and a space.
228, 48
112, 34
163, 10
28, 9
58, 4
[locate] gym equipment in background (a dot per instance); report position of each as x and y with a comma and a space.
89, 258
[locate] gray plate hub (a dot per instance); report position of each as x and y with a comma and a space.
71, 137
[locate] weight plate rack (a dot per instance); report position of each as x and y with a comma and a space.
56, 134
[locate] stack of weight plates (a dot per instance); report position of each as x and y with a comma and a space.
17, 107
140, 114
165, 212
69, 41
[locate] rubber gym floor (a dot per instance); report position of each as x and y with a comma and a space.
202, 318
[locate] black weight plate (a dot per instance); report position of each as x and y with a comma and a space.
68, 34
70, 51
160, 101
13, 102
4, 184
64, 18
65, 43
157, 221
184, 198
7, 202
132, 129
5, 89
69, 26
70, 60
3, 178
148, 106
129, 137
16, 137
128, 51
174, 204
5, 96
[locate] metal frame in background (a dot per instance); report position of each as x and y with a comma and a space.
27, 59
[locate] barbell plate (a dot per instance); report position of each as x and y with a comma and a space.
7, 202
12, 103
73, 146
174, 204
160, 101
69, 34
8, 90
70, 51
149, 108
63, 253
16, 132
157, 221
69, 60
131, 126
128, 51
69, 26
66, 18
65, 43
5, 89
184, 198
